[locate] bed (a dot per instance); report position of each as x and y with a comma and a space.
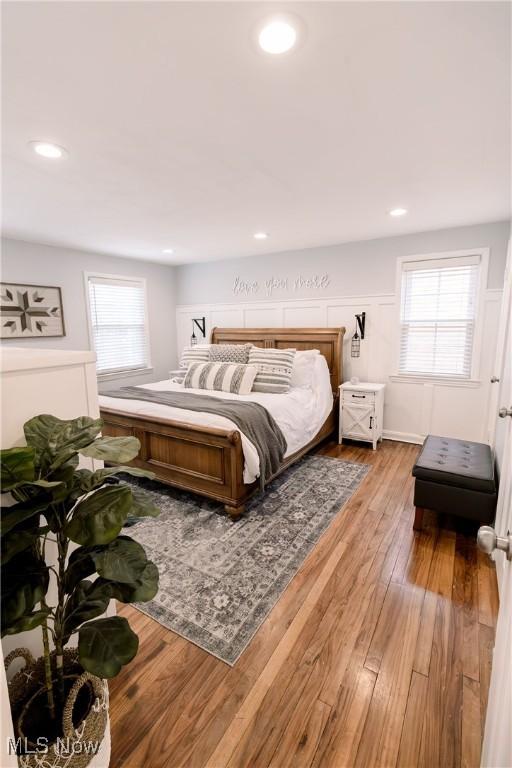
214, 459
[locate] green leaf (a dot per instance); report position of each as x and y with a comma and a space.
145, 588
66, 472
114, 449
56, 441
17, 541
16, 466
142, 506
89, 600
80, 565
89, 481
105, 645
99, 517
17, 513
46, 485
30, 621
123, 560
24, 583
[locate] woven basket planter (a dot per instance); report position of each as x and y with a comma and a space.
76, 748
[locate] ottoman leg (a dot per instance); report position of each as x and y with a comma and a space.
418, 519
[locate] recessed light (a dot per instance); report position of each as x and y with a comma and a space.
277, 36
48, 150
260, 235
168, 250
396, 212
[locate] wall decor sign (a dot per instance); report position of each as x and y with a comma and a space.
271, 284
28, 311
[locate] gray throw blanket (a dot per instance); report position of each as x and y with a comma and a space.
251, 418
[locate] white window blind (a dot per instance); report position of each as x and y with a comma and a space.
438, 313
118, 321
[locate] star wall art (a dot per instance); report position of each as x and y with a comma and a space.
28, 311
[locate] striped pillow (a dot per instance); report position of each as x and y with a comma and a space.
223, 377
199, 353
274, 369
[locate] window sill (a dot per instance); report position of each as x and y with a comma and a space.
123, 374
443, 382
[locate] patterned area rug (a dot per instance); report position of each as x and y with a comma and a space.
219, 579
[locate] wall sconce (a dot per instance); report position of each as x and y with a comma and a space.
355, 345
200, 322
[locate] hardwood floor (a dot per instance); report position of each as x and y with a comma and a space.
377, 654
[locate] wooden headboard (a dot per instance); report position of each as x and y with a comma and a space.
329, 341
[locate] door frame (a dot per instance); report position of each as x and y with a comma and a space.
499, 357
497, 740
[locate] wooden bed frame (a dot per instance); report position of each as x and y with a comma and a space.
210, 461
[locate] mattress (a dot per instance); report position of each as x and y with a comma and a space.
300, 413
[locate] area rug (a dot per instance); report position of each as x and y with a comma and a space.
219, 579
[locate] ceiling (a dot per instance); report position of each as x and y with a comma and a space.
182, 134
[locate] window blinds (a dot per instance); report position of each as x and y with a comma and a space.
438, 311
118, 320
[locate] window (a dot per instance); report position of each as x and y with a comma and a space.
117, 309
439, 300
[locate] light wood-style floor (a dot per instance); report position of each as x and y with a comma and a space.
377, 654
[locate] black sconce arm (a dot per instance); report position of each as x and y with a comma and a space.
361, 322
200, 322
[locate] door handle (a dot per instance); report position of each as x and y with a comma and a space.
504, 412
487, 541
494, 379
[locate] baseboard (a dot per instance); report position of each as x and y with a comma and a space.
403, 437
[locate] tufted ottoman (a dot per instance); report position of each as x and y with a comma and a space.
454, 477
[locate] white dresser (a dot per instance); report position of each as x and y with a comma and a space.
361, 412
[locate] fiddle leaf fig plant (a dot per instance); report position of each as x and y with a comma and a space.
51, 500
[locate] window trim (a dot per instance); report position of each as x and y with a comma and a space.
119, 372
474, 378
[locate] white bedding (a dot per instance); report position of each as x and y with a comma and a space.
299, 413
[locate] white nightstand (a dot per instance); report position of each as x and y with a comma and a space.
361, 412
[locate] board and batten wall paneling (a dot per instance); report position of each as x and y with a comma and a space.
412, 409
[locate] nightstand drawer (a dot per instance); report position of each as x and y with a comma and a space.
363, 398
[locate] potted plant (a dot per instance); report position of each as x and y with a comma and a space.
62, 699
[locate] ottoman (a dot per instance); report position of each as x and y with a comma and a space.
455, 477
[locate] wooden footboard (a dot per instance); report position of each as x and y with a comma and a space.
204, 460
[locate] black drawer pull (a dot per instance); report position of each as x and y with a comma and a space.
360, 396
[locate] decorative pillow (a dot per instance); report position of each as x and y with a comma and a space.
223, 377
230, 353
199, 353
178, 376
304, 368
274, 369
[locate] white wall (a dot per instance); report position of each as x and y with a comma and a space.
48, 265
354, 269
364, 275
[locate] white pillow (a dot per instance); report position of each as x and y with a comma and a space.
303, 368
178, 375
236, 378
